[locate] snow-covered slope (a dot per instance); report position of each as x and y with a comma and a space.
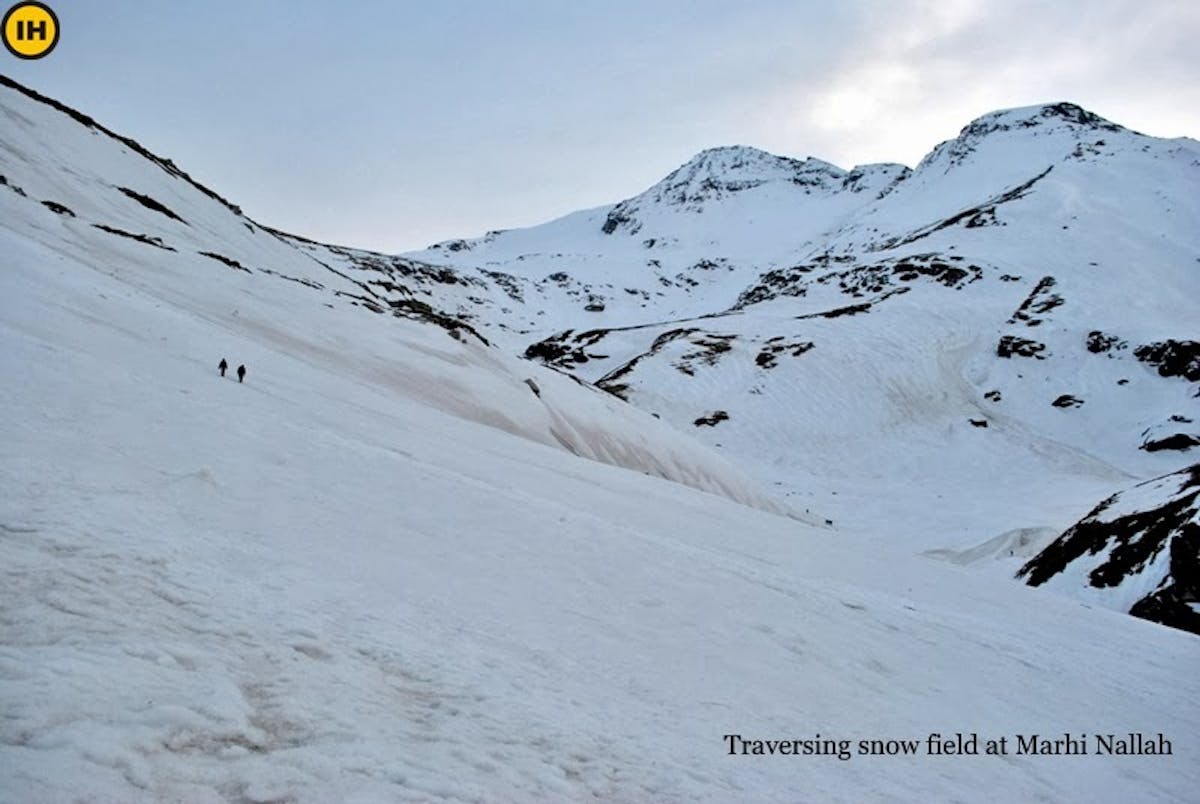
1137, 551
375, 571
311, 587
81, 192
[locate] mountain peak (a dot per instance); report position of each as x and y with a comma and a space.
1062, 120
734, 165
718, 173
1049, 114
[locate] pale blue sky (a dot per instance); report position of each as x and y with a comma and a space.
391, 125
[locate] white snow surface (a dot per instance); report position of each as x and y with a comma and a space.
383, 569
310, 587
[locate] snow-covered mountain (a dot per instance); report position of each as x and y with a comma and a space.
1017, 314
402, 563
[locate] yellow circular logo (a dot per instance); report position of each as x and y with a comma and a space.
30, 30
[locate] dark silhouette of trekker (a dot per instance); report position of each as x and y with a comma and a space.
241, 373
222, 366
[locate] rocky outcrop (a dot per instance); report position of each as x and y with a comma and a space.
1138, 551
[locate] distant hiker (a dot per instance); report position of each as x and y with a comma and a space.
222, 366
241, 373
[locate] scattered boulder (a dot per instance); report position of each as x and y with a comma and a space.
1099, 343
712, 420
1177, 441
1010, 345
1172, 358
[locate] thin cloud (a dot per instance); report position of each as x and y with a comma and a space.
926, 70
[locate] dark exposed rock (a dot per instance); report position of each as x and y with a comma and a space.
992, 396
548, 351
984, 217
710, 348
141, 238
1067, 401
1100, 343
769, 355
615, 219
712, 420
876, 278
978, 422
1039, 302
566, 349
1172, 358
1177, 441
420, 311
1073, 113
418, 272
773, 284
232, 263
1010, 345
151, 204
299, 280
58, 208
853, 309
510, 284
856, 282
362, 301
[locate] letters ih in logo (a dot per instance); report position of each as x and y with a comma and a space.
30, 30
